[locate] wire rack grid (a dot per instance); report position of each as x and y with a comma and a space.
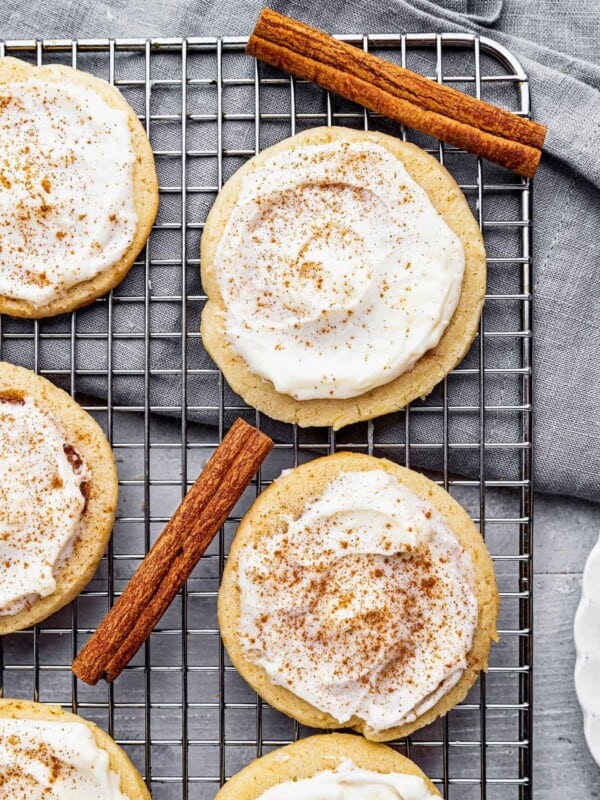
180, 710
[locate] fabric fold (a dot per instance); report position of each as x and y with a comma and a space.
561, 55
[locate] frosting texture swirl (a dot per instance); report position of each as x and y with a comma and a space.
336, 271
364, 605
66, 188
41, 502
349, 782
47, 760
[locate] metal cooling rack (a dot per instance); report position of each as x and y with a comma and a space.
185, 717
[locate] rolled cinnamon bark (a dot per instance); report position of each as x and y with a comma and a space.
398, 93
174, 555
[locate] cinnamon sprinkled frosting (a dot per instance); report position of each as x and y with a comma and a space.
66, 188
42, 499
43, 760
364, 605
336, 271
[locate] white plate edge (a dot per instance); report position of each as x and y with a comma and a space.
582, 657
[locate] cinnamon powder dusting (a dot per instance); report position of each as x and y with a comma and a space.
362, 618
39, 517
335, 270
60, 185
52, 760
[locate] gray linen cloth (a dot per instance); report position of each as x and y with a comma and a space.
558, 43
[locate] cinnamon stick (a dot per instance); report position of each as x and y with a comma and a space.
174, 555
403, 95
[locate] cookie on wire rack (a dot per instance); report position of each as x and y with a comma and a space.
345, 276
78, 188
331, 764
59, 487
358, 594
59, 754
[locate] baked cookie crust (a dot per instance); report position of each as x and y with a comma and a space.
89, 441
289, 495
429, 370
131, 782
306, 757
145, 185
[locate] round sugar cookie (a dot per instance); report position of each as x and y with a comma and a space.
88, 441
131, 783
286, 499
259, 392
307, 757
40, 197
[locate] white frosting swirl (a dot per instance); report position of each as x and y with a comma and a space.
66, 188
349, 782
53, 760
336, 271
364, 605
41, 502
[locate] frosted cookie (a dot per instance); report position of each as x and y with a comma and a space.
58, 497
358, 594
335, 765
345, 277
47, 752
78, 188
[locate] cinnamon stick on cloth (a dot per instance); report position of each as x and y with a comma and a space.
405, 96
174, 555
